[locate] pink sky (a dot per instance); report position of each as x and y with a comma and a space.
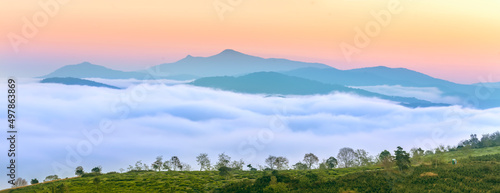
457, 40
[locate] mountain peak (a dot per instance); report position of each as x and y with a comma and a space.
85, 64
230, 52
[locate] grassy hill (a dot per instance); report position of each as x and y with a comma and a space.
476, 171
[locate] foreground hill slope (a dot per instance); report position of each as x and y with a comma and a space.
476, 171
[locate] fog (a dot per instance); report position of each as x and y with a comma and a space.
147, 120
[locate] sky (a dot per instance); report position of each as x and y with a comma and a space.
456, 40
62, 127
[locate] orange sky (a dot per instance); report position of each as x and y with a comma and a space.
457, 40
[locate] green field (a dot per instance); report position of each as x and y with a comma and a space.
477, 171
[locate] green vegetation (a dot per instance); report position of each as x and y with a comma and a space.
476, 170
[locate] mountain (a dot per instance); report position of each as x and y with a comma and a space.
230, 63
372, 76
76, 81
375, 76
88, 70
280, 84
489, 84
227, 63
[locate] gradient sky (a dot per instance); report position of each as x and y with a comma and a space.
457, 40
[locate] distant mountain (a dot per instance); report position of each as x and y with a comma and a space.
88, 70
231, 63
375, 76
280, 84
227, 63
489, 84
76, 81
371, 76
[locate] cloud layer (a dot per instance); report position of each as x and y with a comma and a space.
148, 120
431, 94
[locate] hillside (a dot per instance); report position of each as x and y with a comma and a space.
477, 172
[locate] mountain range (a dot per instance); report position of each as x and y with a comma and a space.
232, 70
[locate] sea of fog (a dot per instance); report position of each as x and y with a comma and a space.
63, 126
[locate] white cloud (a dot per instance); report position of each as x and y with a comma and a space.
183, 120
431, 94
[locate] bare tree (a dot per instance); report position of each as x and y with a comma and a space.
185, 167
346, 157
167, 165
237, 165
158, 163
20, 182
310, 159
224, 161
204, 161
362, 158
281, 163
270, 161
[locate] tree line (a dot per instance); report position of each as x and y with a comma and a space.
346, 158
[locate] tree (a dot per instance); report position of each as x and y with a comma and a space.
79, 171
346, 157
438, 156
281, 163
157, 165
34, 181
203, 161
20, 182
310, 159
300, 166
251, 168
270, 161
362, 158
138, 166
224, 161
51, 177
237, 165
474, 141
167, 165
175, 163
97, 170
185, 167
331, 163
416, 155
402, 159
384, 155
